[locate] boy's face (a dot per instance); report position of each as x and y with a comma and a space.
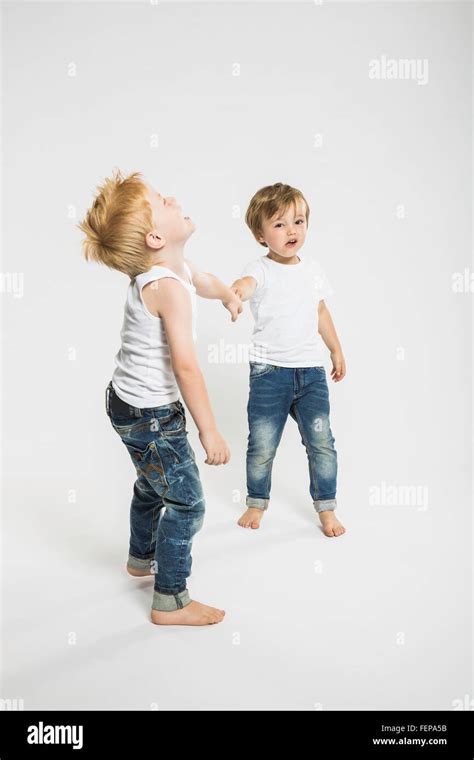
170, 224
286, 226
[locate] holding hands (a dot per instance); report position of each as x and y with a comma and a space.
233, 303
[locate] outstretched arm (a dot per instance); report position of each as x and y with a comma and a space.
209, 286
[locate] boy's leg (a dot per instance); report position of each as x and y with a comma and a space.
311, 409
168, 464
181, 520
145, 511
156, 440
270, 397
146, 502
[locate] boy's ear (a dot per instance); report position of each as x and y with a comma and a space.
154, 240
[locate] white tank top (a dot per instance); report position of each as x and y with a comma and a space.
143, 376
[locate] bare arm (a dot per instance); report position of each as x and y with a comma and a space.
173, 305
244, 287
328, 333
209, 286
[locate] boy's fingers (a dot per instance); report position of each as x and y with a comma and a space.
223, 456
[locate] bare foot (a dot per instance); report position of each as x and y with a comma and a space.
330, 523
138, 573
251, 518
194, 613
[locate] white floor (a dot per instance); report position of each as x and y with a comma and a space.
374, 619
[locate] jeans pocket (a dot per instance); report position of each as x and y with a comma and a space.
177, 446
257, 369
130, 426
146, 458
175, 422
319, 376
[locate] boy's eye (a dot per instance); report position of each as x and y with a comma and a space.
300, 221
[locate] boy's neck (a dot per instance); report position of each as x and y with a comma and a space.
170, 257
286, 261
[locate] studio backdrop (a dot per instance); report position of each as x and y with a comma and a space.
364, 107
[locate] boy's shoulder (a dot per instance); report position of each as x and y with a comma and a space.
313, 264
257, 269
257, 262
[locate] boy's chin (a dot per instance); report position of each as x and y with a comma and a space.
290, 251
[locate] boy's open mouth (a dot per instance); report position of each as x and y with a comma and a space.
291, 242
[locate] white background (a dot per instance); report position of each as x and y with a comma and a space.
377, 619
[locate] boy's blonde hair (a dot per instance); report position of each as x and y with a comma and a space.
268, 201
117, 223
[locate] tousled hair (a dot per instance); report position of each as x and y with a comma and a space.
117, 223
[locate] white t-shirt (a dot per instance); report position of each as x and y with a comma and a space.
285, 308
144, 376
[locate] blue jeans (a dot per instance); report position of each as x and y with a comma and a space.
301, 392
168, 504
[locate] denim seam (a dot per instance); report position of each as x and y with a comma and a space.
176, 597
182, 548
143, 559
154, 526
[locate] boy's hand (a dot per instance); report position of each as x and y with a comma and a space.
338, 366
233, 304
244, 287
215, 447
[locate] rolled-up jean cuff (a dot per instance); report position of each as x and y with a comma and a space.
321, 505
140, 564
256, 503
169, 602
